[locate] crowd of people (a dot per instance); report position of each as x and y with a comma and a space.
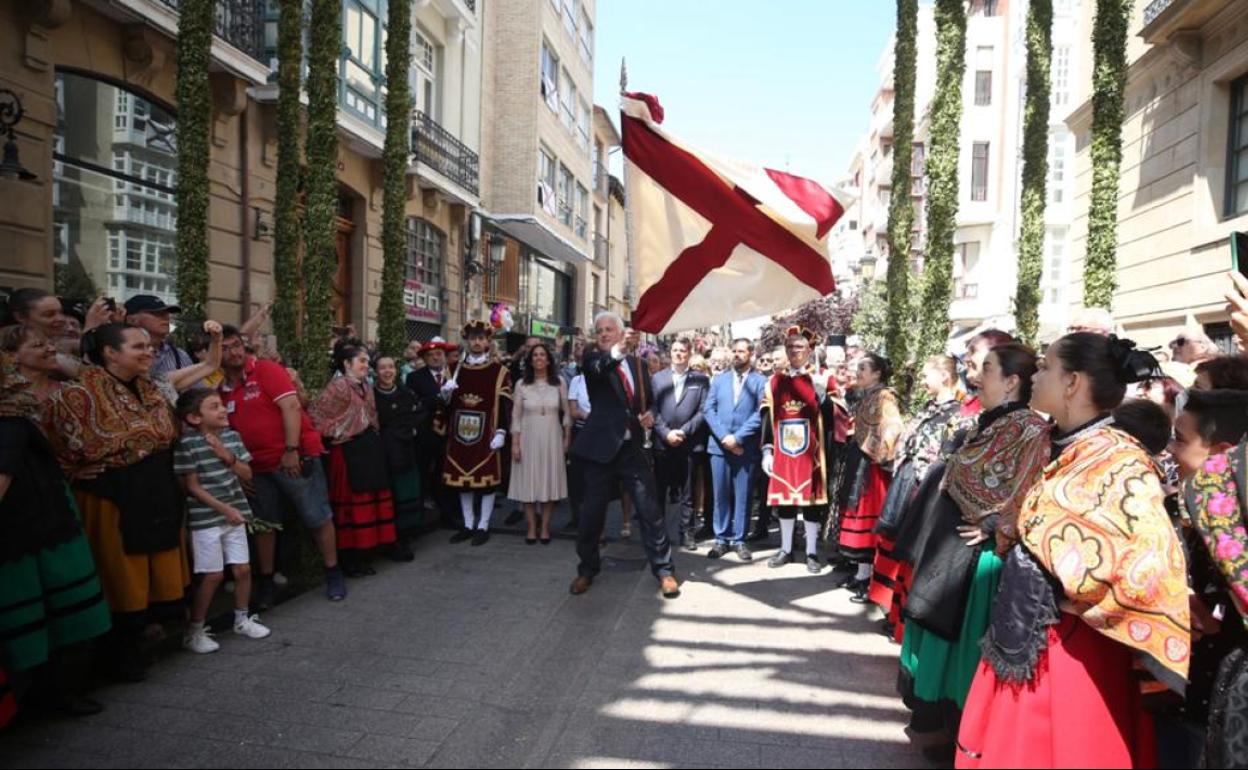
1056, 539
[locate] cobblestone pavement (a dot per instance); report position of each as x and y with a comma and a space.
479, 657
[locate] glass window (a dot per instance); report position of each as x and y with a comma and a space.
582, 211
979, 172
425, 253
1237, 159
582, 125
547, 291
550, 77
587, 38
546, 182
1061, 75
114, 209
361, 69
565, 195
567, 99
983, 88
569, 16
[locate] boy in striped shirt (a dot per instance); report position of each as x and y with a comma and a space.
213, 464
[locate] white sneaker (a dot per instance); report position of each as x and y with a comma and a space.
200, 641
250, 627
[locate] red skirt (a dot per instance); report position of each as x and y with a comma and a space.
858, 539
1084, 709
890, 582
8, 705
363, 519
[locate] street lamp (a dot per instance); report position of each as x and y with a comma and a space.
11, 113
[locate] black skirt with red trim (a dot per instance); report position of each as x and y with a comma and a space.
362, 519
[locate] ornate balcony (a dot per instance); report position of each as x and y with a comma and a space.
239, 23
438, 149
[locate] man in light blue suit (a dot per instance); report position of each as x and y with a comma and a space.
732, 413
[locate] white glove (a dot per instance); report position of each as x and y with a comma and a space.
448, 389
499, 440
769, 461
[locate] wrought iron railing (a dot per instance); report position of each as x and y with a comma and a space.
1155, 9
239, 23
437, 148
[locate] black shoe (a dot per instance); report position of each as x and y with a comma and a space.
757, 535
530, 541
941, 754
481, 537
780, 559
266, 595
461, 536
687, 543
717, 551
78, 707
401, 552
514, 517
572, 526
861, 587
545, 541
743, 552
814, 564
706, 533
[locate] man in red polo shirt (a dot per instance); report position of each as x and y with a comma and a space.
286, 459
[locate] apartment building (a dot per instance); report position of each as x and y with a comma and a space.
989, 167
97, 84
1185, 154
537, 116
612, 280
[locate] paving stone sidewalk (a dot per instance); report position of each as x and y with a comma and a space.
479, 657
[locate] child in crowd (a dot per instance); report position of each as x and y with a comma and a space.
1212, 422
213, 464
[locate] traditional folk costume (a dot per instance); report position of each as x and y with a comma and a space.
398, 412
345, 413
50, 597
877, 428
795, 409
1215, 499
1098, 580
134, 513
923, 443
475, 420
950, 600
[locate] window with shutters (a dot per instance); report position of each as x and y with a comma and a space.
1237, 158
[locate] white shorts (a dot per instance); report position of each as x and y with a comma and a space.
215, 547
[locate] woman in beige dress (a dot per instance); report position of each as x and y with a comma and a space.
541, 431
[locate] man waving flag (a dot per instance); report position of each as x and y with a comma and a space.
714, 239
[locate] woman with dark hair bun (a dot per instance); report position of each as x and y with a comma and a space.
1097, 581
956, 567
359, 486
114, 437
398, 411
877, 429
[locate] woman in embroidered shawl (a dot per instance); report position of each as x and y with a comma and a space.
955, 575
921, 445
345, 413
1097, 580
114, 435
50, 598
877, 428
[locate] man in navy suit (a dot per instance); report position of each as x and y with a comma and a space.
611, 451
732, 413
680, 434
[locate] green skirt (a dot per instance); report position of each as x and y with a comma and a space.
409, 512
939, 670
49, 600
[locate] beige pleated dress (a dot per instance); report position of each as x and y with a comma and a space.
540, 416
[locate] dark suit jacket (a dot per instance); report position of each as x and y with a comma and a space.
685, 415
612, 416
425, 386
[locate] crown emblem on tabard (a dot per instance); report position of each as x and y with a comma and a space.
793, 407
471, 400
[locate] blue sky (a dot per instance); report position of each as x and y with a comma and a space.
784, 83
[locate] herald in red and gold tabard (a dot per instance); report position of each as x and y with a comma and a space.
793, 420
481, 405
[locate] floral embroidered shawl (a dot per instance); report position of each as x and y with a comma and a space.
344, 409
997, 466
1215, 499
1097, 523
877, 424
100, 421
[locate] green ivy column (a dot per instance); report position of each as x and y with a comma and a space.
1109, 81
942, 174
901, 209
321, 258
287, 233
1035, 169
391, 314
194, 97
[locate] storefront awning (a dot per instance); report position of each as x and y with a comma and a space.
532, 232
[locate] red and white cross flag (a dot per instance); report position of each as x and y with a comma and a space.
716, 240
